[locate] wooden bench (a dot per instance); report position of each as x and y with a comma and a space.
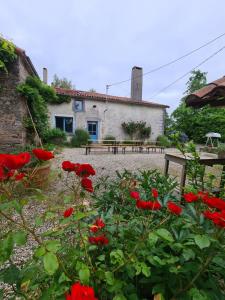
114, 148
154, 148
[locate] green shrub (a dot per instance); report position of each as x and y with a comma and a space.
80, 138
145, 132
7, 54
163, 140
128, 142
55, 136
108, 138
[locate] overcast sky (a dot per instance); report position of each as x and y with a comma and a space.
96, 42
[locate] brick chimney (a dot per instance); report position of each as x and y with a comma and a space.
45, 75
136, 83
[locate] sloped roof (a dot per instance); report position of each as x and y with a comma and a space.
27, 61
104, 97
209, 94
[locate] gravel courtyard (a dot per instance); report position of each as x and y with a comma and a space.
106, 164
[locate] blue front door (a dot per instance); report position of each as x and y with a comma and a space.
93, 130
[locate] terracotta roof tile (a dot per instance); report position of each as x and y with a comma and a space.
104, 97
206, 92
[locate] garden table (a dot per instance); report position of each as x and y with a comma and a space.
206, 159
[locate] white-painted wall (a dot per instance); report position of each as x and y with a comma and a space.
110, 116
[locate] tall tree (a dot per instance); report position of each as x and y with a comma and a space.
196, 81
185, 119
62, 83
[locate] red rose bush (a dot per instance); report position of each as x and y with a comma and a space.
128, 237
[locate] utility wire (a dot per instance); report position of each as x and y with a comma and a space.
170, 62
184, 75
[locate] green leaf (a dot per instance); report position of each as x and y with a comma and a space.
117, 257
10, 275
53, 246
50, 215
40, 251
84, 275
202, 241
165, 234
158, 288
20, 238
80, 215
141, 267
197, 294
50, 263
109, 276
145, 270
119, 297
38, 221
63, 278
6, 248
101, 257
152, 238
188, 254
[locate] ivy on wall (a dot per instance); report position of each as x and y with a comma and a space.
7, 54
60, 99
38, 94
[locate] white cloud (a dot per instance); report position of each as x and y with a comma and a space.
95, 42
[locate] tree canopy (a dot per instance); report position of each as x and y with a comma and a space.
62, 83
196, 122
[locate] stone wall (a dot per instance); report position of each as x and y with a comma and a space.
110, 116
12, 107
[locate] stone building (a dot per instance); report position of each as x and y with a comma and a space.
102, 114
12, 106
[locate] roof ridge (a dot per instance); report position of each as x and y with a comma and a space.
71, 91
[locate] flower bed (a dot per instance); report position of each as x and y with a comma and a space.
135, 238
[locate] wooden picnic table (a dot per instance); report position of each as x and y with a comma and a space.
98, 146
115, 148
206, 159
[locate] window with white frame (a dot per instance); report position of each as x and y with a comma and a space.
64, 123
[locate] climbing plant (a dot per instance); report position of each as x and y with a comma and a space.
38, 94
59, 99
7, 54
136, 129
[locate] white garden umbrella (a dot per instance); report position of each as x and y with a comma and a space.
212, 139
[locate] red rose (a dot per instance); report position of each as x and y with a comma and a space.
220, 221
214, 202
69, 166
87, 184
99, 224
190, 197
85, 170
175, 209
218, 218
135, 195
150, 205
210, 215
98, 240
14, 161
43, 154
155, 193
203, 195
6, 175
68, 212
19, 176
81, 292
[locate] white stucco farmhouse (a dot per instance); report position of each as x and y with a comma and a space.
102, 114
